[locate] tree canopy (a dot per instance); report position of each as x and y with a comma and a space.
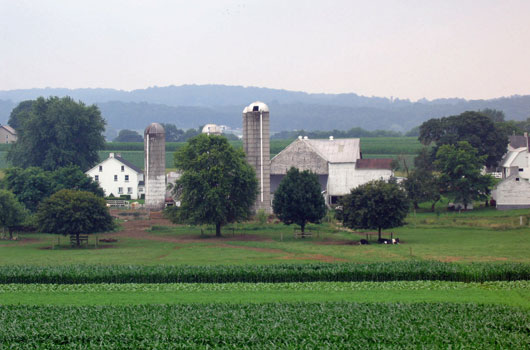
126, 135
12, 213
298, 199
32, 185
74, 212
460, 173
375, 205
217, 185
479, 130
57, 132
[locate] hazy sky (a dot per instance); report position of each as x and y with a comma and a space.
403, 48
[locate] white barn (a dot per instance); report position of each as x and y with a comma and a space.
118, 176
337, 162
512, 193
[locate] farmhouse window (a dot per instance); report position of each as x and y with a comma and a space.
129, 190
521, 169
96, 177
101, 168
126, 178
122, 168
120, 190
115, 177
516, 179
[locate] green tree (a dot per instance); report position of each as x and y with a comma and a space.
460, 173
126, 135
32, 185
479, 130
422, 184
375, 205
57, 132
19, 114
173, 134
298, 199
217, 185
74, 212
12, 213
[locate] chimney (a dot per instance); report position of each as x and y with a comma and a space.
111, 155
300, 137
306, 138
331, 138
527, 141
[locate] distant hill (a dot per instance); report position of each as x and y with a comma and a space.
193, 105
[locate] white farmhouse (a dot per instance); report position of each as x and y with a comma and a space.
517, 159
512, 193
337, 162
7, 134
118, 176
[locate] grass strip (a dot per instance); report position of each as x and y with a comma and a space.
505, 293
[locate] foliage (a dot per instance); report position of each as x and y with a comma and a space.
335, 325
217, 185
412, 270
19, 114
423, 184
58, 132
375, 205
126, 135
74, 212
12, 213
298, 199
475, 128
461, 179
32, 185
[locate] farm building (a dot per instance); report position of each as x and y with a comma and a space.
517, 159
7, 134
118, 176
337, 162
512, 192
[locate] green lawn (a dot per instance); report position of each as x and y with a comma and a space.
480, 235
503, 293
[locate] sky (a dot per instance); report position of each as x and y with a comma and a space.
404, 48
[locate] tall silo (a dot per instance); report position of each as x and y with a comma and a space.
155, 166
256, 144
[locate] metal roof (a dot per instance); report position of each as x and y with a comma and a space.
336, 150
518, 141
510, 157
9, 129
154, 128
256, 107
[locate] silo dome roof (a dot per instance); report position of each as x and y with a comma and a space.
155, 128
256, 107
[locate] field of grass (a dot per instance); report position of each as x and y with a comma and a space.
419, 313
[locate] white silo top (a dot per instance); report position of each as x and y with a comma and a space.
257, 107
155, 128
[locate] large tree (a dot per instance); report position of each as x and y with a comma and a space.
479, 130
422, 184
12, 213
217, 185
126, 135
57, 132
74, 212
32, 185
460, 168
298, 199
375, 205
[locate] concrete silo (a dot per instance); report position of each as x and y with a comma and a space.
155, 166
256, 144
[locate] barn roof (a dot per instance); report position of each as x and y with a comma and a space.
374, 163
129, 164
518, 141
337, 150
508, 159
9, 129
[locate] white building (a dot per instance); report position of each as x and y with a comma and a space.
337, 162
118, 176
512, 192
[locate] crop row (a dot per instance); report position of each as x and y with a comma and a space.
264, 287
344, 272
265, 326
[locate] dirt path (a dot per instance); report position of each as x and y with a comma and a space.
137, 229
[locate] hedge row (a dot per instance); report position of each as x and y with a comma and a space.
396, 271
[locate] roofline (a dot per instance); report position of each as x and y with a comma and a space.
119, 159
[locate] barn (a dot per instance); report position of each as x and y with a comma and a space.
337, 162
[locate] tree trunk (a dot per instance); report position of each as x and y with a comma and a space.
416, 206
77, 239
10, 233
379, 233
217, 229
302, 227
432, 207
